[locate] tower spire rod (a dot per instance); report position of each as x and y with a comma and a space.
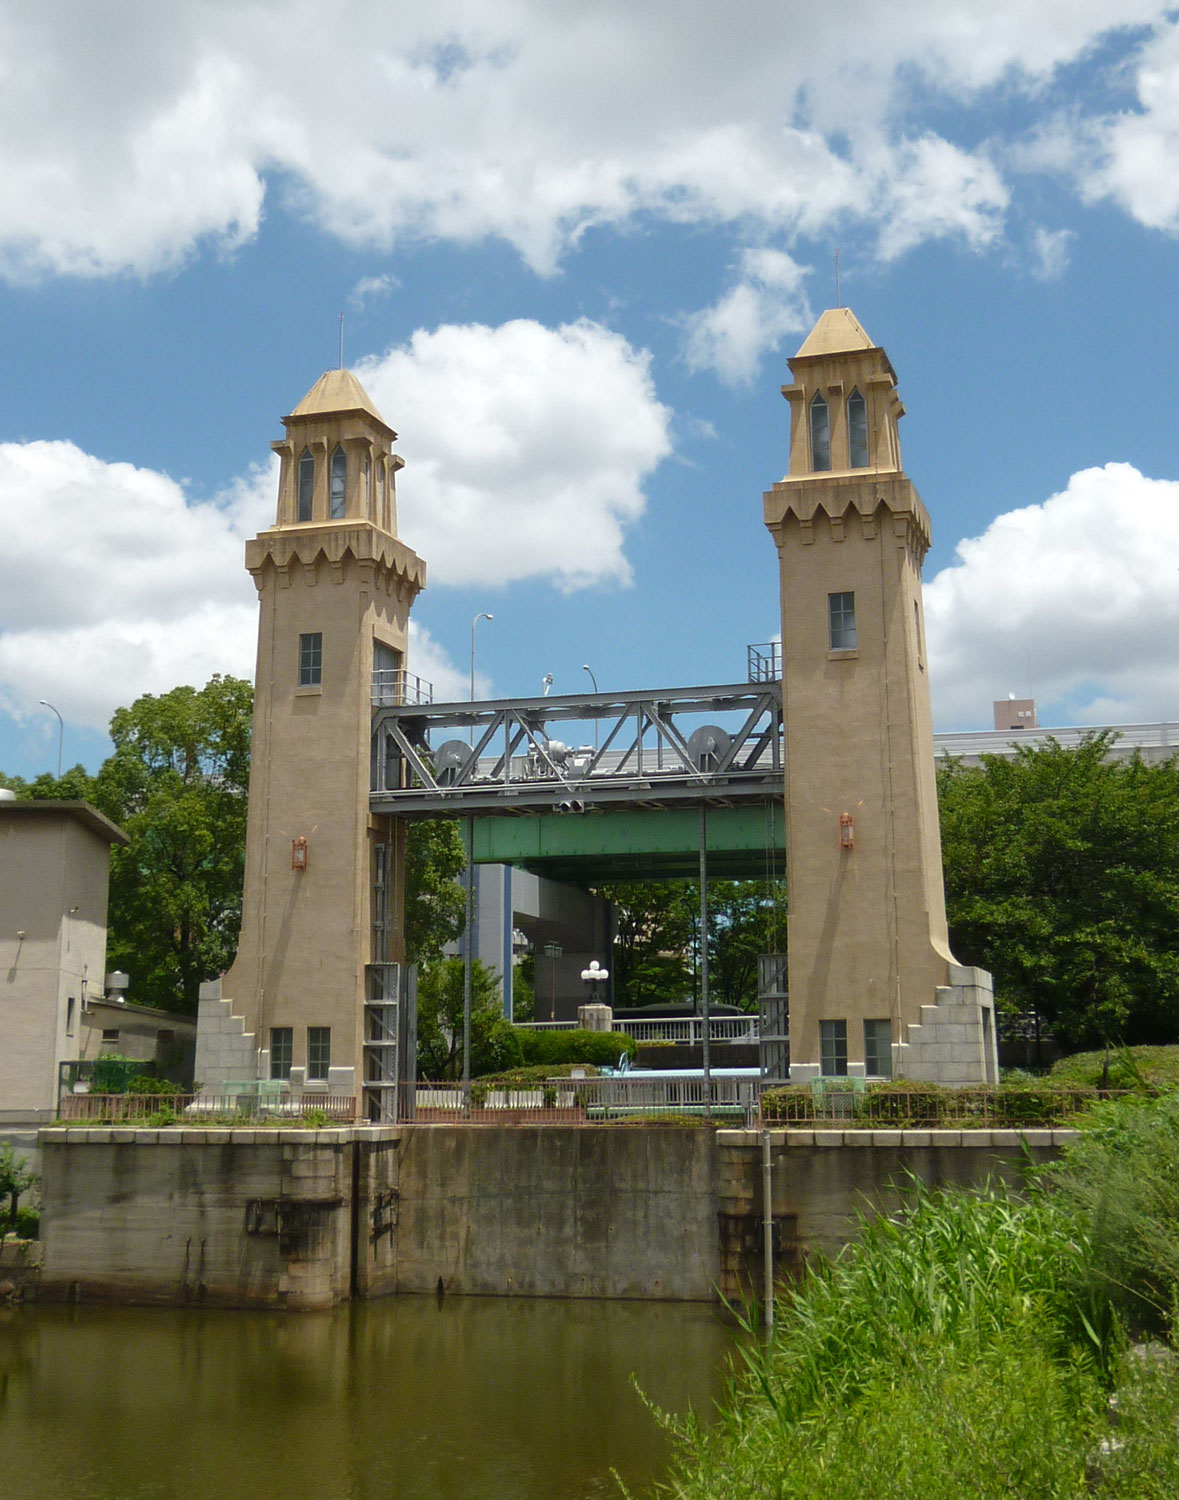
838, 303
341, 341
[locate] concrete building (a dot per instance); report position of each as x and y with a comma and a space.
54, 876
874, 988
322, 946
1014, 713
511, 905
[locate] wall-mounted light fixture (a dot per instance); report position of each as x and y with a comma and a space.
847, 831
299, 853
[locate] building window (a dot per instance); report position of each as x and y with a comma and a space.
381, 517
111, 1034
368, 485
833, 1049
319, 1053
820, 434
917, 629
857, 431
878, 1049
339, 483
282, 1040
306, 485
311, 659
70, 1004
841, 621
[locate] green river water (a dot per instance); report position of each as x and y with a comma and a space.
409, 1397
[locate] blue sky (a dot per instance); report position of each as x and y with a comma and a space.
574, 247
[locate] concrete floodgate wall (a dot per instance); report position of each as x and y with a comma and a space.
309, 1218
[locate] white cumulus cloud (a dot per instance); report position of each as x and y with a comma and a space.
765, 303
526, 449
131, 135
1080, 592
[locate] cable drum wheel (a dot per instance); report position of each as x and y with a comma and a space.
708, 746
450, 759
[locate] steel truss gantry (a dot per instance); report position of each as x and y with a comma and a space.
651, 749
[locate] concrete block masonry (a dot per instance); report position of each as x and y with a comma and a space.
309, 1218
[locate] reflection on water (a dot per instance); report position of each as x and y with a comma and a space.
462, 1399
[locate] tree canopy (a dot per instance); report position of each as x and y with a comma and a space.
1062, 879
177, 783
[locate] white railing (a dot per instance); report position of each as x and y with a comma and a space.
688, 1030
393, 686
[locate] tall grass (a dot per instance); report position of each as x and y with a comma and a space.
969, 1348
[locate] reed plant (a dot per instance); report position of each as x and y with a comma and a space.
970, 1346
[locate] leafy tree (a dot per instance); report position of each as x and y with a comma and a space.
14, 1180
440, 1021
746, 919
177, 783
652, 943
1062, 878
434, 901
73, 784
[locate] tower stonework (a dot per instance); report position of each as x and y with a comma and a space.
322, 901
873, 987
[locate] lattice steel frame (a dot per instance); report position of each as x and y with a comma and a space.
642, 757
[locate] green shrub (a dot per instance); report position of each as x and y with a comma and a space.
144, 1083
28, 1223
551, 1048
535, 1076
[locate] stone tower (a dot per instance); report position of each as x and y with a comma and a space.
873, 986
321, 913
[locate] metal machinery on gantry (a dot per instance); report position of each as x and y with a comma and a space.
657, 752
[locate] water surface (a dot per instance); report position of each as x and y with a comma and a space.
459, 1399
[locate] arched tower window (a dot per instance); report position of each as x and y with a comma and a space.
306, 496
339, 482
381, 517
820, 434
368, 485
857, 431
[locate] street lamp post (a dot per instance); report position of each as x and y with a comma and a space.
594, 976
60, 732
594, 680
553, 951
483, 616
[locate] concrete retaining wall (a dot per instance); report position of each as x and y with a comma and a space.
307, 1218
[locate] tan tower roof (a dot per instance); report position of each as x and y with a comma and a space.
337, 391
838, 331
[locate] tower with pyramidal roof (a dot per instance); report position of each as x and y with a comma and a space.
873, 987
310, 1002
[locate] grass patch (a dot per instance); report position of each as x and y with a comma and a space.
1157, 1067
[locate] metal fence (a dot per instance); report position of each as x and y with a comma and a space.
206, 1109
849, 1103
586, 1101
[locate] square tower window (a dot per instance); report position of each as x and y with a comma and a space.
311, 659
319, 1053
878, 1049
281, 1050
841, 621
833, 1049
